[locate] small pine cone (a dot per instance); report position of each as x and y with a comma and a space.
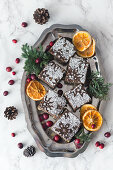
10, 113
41, 16
29, 151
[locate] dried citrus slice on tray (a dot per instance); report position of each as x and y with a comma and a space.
85, 108
82, 40
89, 52
35, 90
92, 120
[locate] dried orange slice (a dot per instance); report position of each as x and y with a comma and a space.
92, 120
82, 40
85, 108
89, 52
35, 90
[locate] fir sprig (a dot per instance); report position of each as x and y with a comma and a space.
84, 137
97, 86
31, 54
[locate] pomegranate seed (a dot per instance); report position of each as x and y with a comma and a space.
28, 80
11, 82
44, 126
51, 43
97, 144
93, 126
33, 76
56, 138
77, 141
45, 116
13, 73
60, 92
49, 123
59, 85
48, 48
14, 41
37, 61
5, 93
8, 69
13, 134
41, 118
24, 24
17, 60
101, 146
20, 145
107, 134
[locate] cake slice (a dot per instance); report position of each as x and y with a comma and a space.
66, 126
52, 104
77, 96
51, 74
62, 50
76, 71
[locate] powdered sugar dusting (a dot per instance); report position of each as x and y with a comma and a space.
67, 125
52, 74
77, 96
63, 49
77, 70
52, 103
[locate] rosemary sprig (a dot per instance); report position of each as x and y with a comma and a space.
97, 86
31, 54
84, 137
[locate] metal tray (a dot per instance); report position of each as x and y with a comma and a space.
42, 138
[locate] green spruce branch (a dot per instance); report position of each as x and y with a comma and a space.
31, 54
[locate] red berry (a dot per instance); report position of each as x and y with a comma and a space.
14, 41
44, 126
8, 69
5, 93
51, 43
48, 48
56, 138
13, 73
107, 134
59, 85
11, 82
93, 126
33, 76
79, 145
41, 118
13, 134
28, 80
37, 61
20, 145
17, 60
24, 24
45, 116
49, 123
97, 144
77, 141
101, 146
60, 92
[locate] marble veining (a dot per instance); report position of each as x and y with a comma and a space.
96, 16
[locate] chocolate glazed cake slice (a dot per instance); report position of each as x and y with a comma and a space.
52, 74
52, 104
66, 126
77, 96
76, 70
62, 50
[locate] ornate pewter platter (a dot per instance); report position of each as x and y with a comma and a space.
42, 138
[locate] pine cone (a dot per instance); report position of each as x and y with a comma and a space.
29, 151
10, 113
41, 16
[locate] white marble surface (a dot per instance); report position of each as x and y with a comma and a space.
94, 15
